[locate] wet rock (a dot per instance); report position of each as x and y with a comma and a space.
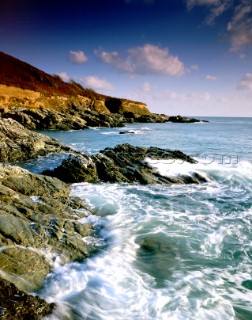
180, 119
17, 305
73, 119
123, 164
146, 118
44, 119
19, 144
76, 168
126, 132
39, 222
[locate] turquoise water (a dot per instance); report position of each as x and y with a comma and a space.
167, 252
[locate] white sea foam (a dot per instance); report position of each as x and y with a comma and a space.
212, 171
109, 133
200, 279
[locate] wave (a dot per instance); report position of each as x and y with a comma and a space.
230, 172
109, 133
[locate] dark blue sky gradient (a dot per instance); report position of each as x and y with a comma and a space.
44, 32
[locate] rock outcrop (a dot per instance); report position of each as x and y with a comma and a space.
180, 119
39, 222
19, 144
123, 164
74, 119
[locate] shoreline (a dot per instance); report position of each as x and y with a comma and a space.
20, 144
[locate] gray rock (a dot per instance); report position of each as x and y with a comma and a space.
18, 143
39, 221
16, 305
124, 164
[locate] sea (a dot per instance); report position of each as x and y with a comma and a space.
164, 252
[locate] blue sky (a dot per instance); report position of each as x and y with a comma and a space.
189, 57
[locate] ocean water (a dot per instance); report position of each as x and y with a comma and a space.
169, 251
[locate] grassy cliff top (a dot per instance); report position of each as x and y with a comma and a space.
17, 73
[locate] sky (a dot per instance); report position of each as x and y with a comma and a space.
187, 57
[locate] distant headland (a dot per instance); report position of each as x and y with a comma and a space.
41, 101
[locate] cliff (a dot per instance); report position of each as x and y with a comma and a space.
22, 85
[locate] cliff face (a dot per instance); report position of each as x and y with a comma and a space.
24, 86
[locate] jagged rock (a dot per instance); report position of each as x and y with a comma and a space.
38, 222
95, 119
17, 305
78, 118
146, 118
124, 164
19, 144
76, 168
44, 119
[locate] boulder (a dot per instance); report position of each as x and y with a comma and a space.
18, 143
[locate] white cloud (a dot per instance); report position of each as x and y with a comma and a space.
192, 3
148, 59
239, 27
216, 7
113, 58
64, 76
193, 68
78, 57
210, 77
97, 83
246, 82
147, 87
156, 60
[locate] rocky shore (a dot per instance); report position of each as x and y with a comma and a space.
40, 223
76, 118
79, 118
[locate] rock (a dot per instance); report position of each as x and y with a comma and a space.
180, 119
95, 119
124, 164
77, 117
45, 119
17, 305
19, 144
39, 222
75, 168
146, 118
126, 132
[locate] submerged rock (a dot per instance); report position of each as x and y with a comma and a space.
19, 144
39, 222
157, 257
124, 164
